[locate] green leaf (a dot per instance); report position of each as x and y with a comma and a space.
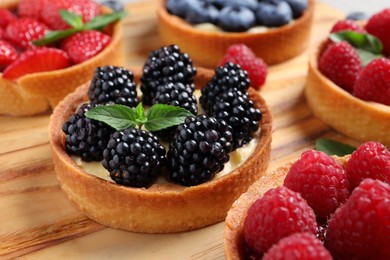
366, 56
117, 116
362, 41
162, 116
100, 21
74, 20
53, 36
332, 147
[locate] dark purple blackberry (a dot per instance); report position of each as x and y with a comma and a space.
167, 64
200, 149
113, 84
227, 77
239, 112
86, 137
134, 157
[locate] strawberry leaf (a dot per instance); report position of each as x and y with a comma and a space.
161, 116
99, 22
362, 41
117, 116
53, 36
72, 19
332, 147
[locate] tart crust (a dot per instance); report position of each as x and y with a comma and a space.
161, 208
233, 234
359, 119
207, 48
36, 93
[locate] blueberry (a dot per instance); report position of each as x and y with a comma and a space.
236, 19
202, 12
180, 7
273, 13
114, 5
357, 16
297, 7
220, 4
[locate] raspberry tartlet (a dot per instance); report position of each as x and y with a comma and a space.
38, 92
161, 207
207, 47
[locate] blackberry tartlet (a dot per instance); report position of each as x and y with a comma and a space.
169, 206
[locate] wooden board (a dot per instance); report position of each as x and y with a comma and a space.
37, 221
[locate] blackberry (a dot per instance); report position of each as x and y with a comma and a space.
200, 149
239, 112
134, 157
86, 137
167, 64
227, 77
113, 84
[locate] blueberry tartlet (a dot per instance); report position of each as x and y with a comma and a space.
160, 180
275, 30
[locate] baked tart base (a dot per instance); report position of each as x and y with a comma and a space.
207, 48
36, 93
161, 208
356, 118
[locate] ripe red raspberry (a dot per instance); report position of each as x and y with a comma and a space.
242, 55
379, 25
6, 17
360, 229
341, 64
8, 54
279, 213
31, 8
370, 160
298, 246
373, 83
320, 180
347, 25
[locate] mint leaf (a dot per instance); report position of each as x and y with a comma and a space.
140, 111
74, 20
366, 56
53, 36
117, 116
162, 116
332, 147
363, 41
100, 21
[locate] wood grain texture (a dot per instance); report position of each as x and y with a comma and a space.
37, 221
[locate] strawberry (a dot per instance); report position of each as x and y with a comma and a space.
51, 11
23, 31
8, 54
347, 25
84, 45
31, 8
341, 64
242, 55
379, 25
6, 17
1, 33
373, 83
37, 60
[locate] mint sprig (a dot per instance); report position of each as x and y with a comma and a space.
367, 46
76, 22
120, 117
332, 147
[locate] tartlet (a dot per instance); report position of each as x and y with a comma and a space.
36, 93
359, 119
161, 208
207, 48
234, 243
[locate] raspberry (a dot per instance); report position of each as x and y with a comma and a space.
8, 54
31, 8
379, 25
279, 213
298, 246
347, 25
341, 64
373, 83
370, 160
242, 55
360, 229
6, 17
320, 180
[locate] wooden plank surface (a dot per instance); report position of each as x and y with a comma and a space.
37, 221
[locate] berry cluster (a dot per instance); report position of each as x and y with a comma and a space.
35, 19
238, 15
352, 201
346, 63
